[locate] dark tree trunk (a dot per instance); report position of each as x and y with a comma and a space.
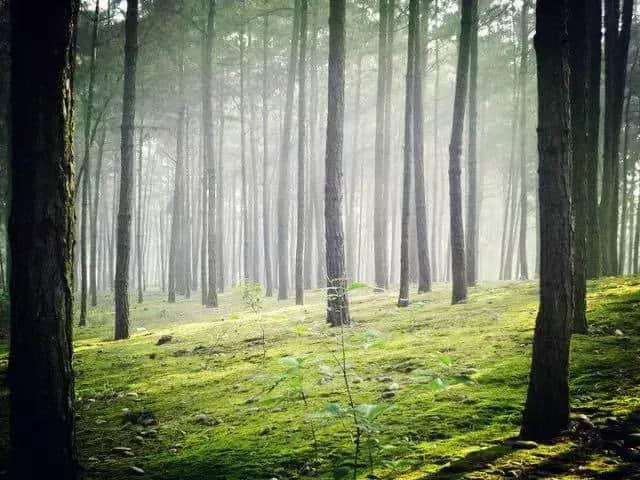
302, 107
524, 72
266, 220
594, 40
472, 173
337, 302
436, 230
219, 193
41, 237
126, 172
578, 60
93, 287
86, 166
209, 161
380, 197
458, 271
284, 164
546, 412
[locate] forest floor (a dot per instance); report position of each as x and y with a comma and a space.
438, 389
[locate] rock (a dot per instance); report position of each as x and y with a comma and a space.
164, 339
132, 395
356, 380
92, 459
524, 445
121, 449
137, 470
385, 379
203, 419
100, 421
392, 387
253, 410
138, 439
585, 421
267, 430
152, 356
619, 332
388, 394
252, 400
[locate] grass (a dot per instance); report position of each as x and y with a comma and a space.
219, 416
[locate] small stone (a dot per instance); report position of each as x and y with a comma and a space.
100, 421
252, 400
173, 450
619, 332
138, 439
137, 470
392, 387
164, 339
132, 395
385, 379
356, 380
524, 445
121, 449
253, 410
92, 459
152, 356
586, 421
388, 394
266, 430
203, 419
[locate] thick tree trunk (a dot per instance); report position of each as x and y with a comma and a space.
472, 173
126, 172
86, 166
93, 286
302, 108
458, 270
41, 232
547, 408
337, 302
578, 58
284, 164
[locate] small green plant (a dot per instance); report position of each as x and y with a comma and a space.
251, 294
356, 285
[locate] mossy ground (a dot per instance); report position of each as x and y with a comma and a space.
218, 366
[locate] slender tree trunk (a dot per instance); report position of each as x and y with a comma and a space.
139, 214
302, 107
93, 285
266, 194
524, 72
458, 272
41, 231
186, 216
243, 168
435, 232
472, 173
546, 412
624, 180
219, 213
337, 302
209, 161
126, 172
284, 163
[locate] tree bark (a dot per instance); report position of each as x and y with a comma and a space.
472, 172
546, 412
458, 270
337, 302
524, 72
266, 194
41, 237
93, 287
126, 172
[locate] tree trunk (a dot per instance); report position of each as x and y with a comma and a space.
337, 302
219, 197
243, 169
86, 164
472, 173
139, 214
458, 272
41, 231
126, 172
546, 412
93, 288
266, 194
302, 100
284, 163
524, 71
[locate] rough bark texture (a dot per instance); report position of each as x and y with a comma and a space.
41, 236
243, 167
302, 107
93, 284
471, 242
547, 408
594, 39
266, 220
126, 172
458, 270
337, 302
578, 58
524, 72
283, 180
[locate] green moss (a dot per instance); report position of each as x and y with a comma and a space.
259, 425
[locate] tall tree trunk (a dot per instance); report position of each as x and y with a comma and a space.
209, 160
380, 198
126, 172
219, 197
243, 168
472, 173
458, 271
594, 41
186, 216
86, 165
337, 302
435, 231
139, 225
266, 191
41, 231
302, 111
93, 287
284, 164
524, 72
546, 412
578, 59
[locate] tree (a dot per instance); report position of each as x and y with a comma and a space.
458, 270
524, 72
547, 408
302, 100
86, 184
126, 172
471, 241
41, 234
266, 224
337, 302
93, 286
283, 180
